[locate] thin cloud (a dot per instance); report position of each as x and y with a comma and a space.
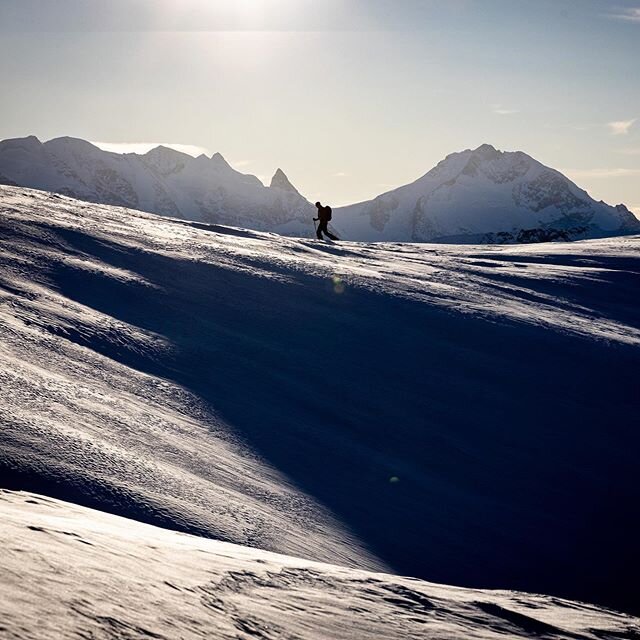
144, 147
628, 15
620, 127
498, 109
601, 173
239, 163
340, 174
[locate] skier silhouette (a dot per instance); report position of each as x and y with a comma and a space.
324, 215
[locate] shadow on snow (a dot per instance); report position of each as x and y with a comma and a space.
513, 446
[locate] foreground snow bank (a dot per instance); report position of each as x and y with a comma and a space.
71, 572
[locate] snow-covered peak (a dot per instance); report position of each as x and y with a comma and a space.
487, 151
29, 143
485, 195
218, 161
280, 181
166, 160
485, 147
165, 152
485, 159
163, 181
67, 144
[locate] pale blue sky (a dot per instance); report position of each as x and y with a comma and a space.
350, 98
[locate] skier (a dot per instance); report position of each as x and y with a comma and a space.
324, 215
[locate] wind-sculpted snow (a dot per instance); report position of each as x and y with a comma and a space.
459, 413
70, 572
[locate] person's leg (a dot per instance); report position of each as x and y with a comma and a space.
332, 236
322, 227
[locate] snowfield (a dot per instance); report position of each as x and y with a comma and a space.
462, 414
71, 572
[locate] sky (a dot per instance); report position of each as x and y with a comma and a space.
350, 98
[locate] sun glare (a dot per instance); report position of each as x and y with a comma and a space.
229, 15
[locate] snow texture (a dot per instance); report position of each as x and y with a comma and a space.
463, 414
70, 572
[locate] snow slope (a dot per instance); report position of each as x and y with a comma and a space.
182, 586
459, 413
485, 196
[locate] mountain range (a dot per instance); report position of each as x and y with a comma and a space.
162, 181
482, 196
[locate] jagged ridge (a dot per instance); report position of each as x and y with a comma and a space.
163, 181
475, 196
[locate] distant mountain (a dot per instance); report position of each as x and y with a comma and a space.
486, 196
162, 181
475, 196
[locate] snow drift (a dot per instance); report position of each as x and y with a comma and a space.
69, 572
462, 414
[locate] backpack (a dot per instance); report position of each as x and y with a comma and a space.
327, 213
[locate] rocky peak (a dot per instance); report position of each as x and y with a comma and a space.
67, 143
621, 208
280, 181
166, 160
218, 161
487, 152
30, 143
164, 152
